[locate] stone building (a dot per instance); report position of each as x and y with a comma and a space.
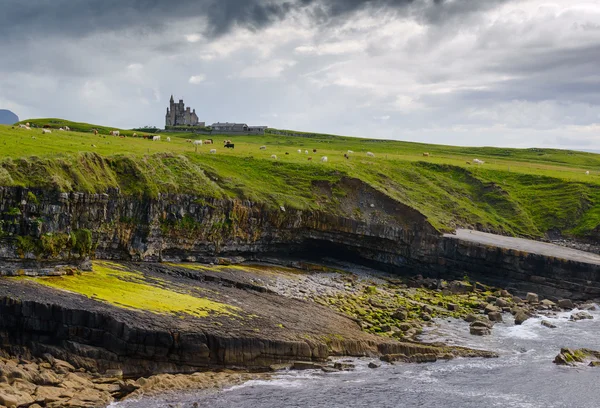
179, 115
233, 128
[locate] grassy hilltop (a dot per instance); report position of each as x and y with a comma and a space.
517, 191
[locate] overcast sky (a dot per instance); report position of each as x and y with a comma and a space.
515, 73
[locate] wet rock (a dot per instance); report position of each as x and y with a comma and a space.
328, 369
425, 317
583, 315
532, 298
492, 309
588, 306
520, 317
548, 303
280, 367
343, 366
458, 287
547, 324
572, 357
306, 365
373, 364
565, 304
495, 316
470, 318
452, 307
480, 328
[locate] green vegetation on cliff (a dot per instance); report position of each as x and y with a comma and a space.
525, 192
114, 284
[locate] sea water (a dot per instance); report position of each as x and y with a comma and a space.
523, 376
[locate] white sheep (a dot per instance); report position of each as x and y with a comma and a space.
46, 131
274, 156
213, 151
587, 173
68, 129
61, 129
306, 152
299, 150
22, 126
197, 142
27, 128
168, 138
370, 154
324, 159
263, 148
115, 133
155, 138
350, 152
477, 161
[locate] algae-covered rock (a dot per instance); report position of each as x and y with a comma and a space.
570, 357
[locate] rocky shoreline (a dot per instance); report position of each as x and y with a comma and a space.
296, 316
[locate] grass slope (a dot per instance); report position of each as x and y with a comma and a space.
523, 192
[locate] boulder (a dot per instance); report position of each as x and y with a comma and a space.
532, 298
581, 316
495, 316
452, 307
502, 303
565, 304
492, 309
479, 331
373, 364
400, 314
548, 303
572, 357
520, 317
458, 287
547, 324
343, 366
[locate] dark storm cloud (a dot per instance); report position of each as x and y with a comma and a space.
27, 19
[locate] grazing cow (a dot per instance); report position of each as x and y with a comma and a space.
324, 159
213, 151
95, 132
168, 138
208, 141
114, 133
299, 150
346, 156
155, 138
22, 126
369, 154
310, 158
425, 154
93, 145
188, 140
134, 135
46, 131
263, 148
587, 172
468, 162
314, 150
229, 145
286, 153
68, 129
46, 126
273, 156
197, 142
27, 124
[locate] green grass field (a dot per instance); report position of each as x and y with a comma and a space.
523, 192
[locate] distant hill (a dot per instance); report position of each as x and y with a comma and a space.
7, 117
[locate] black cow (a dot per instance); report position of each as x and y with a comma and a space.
229, 145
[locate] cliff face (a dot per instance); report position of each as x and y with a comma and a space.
356, 223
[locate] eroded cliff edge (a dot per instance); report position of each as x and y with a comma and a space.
41, 228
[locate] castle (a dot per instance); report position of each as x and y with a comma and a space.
179, 115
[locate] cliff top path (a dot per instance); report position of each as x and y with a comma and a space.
526, 245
